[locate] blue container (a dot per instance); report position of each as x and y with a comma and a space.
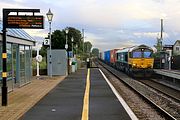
107, 56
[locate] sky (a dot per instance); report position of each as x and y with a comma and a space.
108, 24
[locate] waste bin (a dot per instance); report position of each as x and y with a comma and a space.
73, 66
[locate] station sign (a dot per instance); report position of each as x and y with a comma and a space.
23, 21
168, 47
46, 42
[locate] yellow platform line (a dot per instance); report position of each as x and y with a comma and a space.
85, 112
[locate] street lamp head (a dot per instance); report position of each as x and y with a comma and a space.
67, 30
72, 39
49, 15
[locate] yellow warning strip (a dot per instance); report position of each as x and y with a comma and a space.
85, 112
4, 74
4, 55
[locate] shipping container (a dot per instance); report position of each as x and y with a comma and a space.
113, 56
107, 56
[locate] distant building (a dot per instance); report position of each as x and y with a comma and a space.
176, 48
19, 57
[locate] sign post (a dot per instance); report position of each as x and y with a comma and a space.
16, 21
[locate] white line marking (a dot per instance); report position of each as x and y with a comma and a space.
121, 100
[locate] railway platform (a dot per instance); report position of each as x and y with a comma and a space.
83, 95
169, 73
20, 100
169, 78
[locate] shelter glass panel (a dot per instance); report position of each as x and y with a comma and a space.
22, 65
27, 64
15, 61
9, 67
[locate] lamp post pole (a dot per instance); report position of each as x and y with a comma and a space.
37, 50
50, 16
83, 41
72, 40
66, 47
50, 52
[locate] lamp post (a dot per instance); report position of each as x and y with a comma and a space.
66, 30
37, 50
50, 16
72, 40
66, 47
76, 49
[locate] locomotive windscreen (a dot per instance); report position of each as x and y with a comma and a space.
147, 54
137, 54
142, 53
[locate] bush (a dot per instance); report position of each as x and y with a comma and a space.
73, 63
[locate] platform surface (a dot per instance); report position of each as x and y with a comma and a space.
20, 100
103, 103
65, 101
170, 73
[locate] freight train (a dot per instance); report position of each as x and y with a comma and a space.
136, 61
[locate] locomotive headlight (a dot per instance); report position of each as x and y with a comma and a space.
134, 64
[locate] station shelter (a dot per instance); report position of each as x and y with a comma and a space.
19, 57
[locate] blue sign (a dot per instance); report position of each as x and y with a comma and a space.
70, 54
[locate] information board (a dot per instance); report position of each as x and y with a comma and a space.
29, 22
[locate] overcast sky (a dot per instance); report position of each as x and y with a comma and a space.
109, 24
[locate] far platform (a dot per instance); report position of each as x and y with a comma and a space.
169, 73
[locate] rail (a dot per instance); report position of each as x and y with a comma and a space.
158, 108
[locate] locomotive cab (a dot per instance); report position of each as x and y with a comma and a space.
141, 58
141, 61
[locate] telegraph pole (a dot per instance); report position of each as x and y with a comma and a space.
161, 38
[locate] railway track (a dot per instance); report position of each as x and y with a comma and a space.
152, 97
169, 91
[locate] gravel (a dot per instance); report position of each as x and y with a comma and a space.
141, 108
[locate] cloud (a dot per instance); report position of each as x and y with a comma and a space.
150, 34
108, 23
38, 34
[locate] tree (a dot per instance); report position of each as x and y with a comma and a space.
43, 51
76, 34
87, 47
58, 41
34, 53
95, 52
